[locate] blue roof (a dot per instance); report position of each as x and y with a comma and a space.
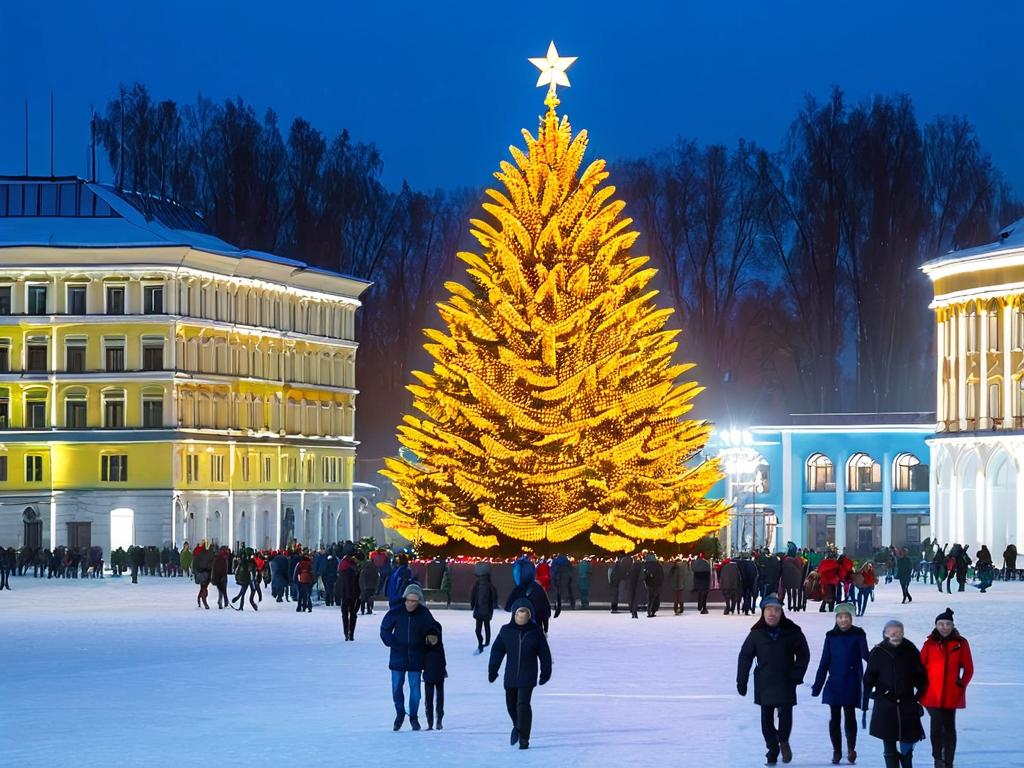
71, 212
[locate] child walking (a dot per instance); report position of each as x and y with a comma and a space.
435, 670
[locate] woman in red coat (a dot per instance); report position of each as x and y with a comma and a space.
947, 660
829, 571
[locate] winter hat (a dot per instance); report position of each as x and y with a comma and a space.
946, 615
771, 599
482, 568
845, 608
414, 590
891, 623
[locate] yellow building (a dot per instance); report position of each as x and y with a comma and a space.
977, 487
159, 385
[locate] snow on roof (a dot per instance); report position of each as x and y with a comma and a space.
102, 216
1011, 238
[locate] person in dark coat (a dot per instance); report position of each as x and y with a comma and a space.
619, 574
729, 581
983, 568
404, 630
330, 577
769, 573
701, 581
243, 578
654, 578
435, 670
532, 591
562, 576
583, 580
895, 678
369, 580
219, 576
202, 565
1010, 562
399, 579
302, 576
946, 656
780, 648
635, 585
939, 566
793, 567
904, 572
748, 584
483, 599
347, 592
136, 559
279, 577
526, 647
839, 676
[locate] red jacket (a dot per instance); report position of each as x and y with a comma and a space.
829, 571
950, 668
304, 571
544, 576
870, 579
845, 565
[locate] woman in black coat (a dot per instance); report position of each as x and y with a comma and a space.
483, 600
523, 642
782, 655
346, 593
895, 678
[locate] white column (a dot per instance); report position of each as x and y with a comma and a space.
983, 420
1007, 393
961, 367
789, 530
840, 474
982, 525
886, 499
732, 515
231, 519
934, 513
940, 358
277, 526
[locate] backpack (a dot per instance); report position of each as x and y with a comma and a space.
950, 564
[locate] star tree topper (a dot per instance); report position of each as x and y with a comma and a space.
552, 72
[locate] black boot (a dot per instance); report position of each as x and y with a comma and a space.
430, 722
440, 717
514, 738
787, 753
415, 723
399, 719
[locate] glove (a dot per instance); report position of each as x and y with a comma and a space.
960, 683
741, 689
543, 679
815, 691
492, 676
864, 719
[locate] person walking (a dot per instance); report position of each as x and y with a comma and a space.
303, 577
731, 583
243, 578
793, 578
780, 649
946, 656
219, 576
369, 579
654, 577
904, 573
562, 576
404, 630
895, 678
678, 575
839, 679
983, 568
202, 565
435, 670
618, 574
523, 642
483, 599
1010, 562
866, 589
701, 581
532, 591
583, 580
347, 594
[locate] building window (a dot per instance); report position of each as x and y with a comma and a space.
5, 300
5, 412
192, 468
153, 356
909, 473
75, 357
114, 356
35, 414
153, 300
115, 300
35, 357
995, 401
5, 358
245, 468
114, 469
267, 472
113, 411
3, 469
37, 300
993, 330
971, 319
216, 468
152, 412
820, 473
863, 473
76, 300
76, 413
33, 469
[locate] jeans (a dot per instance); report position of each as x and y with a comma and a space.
398, 691
862, 599
774, 736
517, 701
943, 734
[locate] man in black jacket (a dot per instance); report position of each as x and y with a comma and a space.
780, 648
620, 573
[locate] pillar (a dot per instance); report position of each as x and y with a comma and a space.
983, 343
941, 414
789, 530
839, 470
961, 367
886, 500
1007, 350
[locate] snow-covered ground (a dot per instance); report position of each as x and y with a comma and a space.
102, 673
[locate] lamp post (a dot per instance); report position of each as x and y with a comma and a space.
740, 459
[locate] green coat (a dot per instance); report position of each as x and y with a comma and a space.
186, 559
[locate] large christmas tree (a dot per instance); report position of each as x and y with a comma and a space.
554, 408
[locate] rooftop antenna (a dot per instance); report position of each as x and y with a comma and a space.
51, 134
26, 137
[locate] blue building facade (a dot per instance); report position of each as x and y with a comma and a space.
856, 486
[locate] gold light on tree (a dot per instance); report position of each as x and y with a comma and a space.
554, 408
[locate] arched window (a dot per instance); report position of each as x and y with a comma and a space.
909, 474
820, 473
863, 473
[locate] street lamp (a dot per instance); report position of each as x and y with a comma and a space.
740, 460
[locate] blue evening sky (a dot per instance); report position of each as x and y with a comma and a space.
443, 87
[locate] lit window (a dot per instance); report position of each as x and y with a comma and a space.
910, 474
820, 473
863, 473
